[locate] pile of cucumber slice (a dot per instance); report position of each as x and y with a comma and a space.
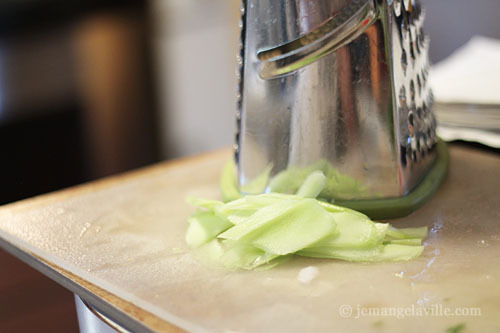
263, 230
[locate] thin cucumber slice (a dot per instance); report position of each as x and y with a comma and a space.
288, 181
403, 233
234, 256
203, 227
259, 184
353, 232
207, 204
339, 209
261, 199
273, 195
228, 182
305, 224
259, 221
407, 241
246, 256
274, 262
313, 185
337, 184
237, 211
389, 252
247, 205
420, 232
212, 249
380, 232
268, 198
240, 216
398, 252
241, 207
327, 252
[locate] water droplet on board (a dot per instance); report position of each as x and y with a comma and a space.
306, 275
85, 228
482, 243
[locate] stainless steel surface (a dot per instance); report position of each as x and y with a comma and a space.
337, 81
92, 321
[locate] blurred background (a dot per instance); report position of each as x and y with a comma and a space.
97, 87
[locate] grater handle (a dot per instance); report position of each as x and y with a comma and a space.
338, 31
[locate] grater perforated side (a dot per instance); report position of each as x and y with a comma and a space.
416, 125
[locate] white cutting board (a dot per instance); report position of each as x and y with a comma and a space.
124, 236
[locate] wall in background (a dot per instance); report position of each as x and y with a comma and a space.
451, 23
195, 43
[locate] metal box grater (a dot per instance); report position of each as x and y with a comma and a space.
337, 85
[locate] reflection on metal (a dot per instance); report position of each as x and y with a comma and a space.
91, 320
325, 39
344, 81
